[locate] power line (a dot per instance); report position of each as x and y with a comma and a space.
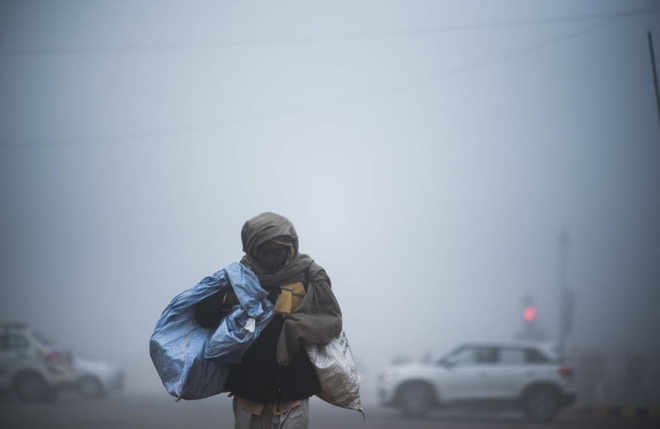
101, 49
449, 73
319, 106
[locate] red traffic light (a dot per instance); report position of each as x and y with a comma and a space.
529, 313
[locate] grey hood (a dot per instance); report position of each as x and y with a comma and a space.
318, 319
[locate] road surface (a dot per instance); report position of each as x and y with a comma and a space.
160, 411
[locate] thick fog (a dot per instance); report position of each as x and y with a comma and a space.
431, 155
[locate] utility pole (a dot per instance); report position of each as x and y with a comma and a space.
566, 296
655, 73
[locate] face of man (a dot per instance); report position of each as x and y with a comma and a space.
272, 256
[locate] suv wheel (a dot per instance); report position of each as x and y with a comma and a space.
415, 399
31, 387
541, 404
90, 387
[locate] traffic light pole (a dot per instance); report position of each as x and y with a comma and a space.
655, 73
566, 306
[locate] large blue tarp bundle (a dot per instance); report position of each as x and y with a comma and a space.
192, 361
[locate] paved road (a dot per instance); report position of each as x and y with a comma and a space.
130, 411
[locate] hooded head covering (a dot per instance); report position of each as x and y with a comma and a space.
318, 318
270, 226
265, 227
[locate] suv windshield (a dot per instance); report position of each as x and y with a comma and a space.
41, 339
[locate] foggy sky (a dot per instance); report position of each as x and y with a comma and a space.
429, 153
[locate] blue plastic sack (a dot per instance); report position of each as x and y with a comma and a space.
193, 362
244, 324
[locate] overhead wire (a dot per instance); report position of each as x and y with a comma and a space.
63, 50
314, 107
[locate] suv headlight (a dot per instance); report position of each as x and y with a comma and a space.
387, 376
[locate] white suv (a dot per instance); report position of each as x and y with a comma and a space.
31, 366
96, 379
525, 376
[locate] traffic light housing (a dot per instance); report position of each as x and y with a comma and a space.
530, 328
529, 313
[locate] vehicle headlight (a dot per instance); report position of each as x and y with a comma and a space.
387, 376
